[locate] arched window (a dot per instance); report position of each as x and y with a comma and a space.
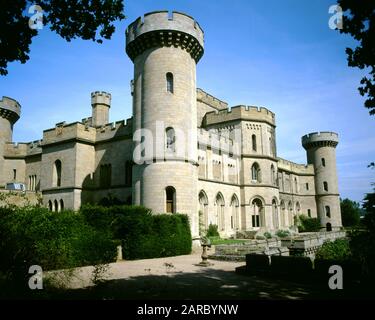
56, 206
323, 162
170, 85
283, 218
105, 175
273, 175
309, 213
170, 195
203, 214
57, 174
255, 173
234, 219
257, 210
220, 204
275, 214
50, 206
325, 185
328, 211
254, 142
170, 139
61, 205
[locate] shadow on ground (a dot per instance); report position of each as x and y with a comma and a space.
206, 284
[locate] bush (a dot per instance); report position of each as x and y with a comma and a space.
282, 233
267, 235
307, 224
142, 234
36, 236
212, 231
336, 250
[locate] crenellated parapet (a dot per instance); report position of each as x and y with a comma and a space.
217, 142
10, 109
163, 28
100, 97
245, 113
320, 139
295, 168
210, 100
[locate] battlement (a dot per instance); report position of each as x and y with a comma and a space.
247, 113
115, 129
100, 97
163, 28
295, 168
320, 139
22, 149
212, 101
10, 109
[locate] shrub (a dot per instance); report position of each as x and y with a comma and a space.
307, 224
142, 234
36, 236
267, 235
212, 231
282, 233
336, 250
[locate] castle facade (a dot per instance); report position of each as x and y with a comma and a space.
183, 150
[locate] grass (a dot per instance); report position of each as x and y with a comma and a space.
218, 240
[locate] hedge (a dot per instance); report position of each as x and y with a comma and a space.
36, 236
143, 234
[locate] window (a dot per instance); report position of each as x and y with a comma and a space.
50, 207
61, 205
105, 175
309, 213
170, 193
57, 174
56, 206
254, 142
257, 211
328, 211
170, 139
255, 173
307, 186
170, 88
323, 162
128, 173
325, 185
14, 174
273, 176
220, 211
295, 185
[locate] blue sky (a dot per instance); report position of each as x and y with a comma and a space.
278, 54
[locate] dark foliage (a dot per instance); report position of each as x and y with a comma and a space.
88, 20
350, 213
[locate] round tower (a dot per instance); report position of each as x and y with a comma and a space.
10, 111
165, 48
100, 102
320, 147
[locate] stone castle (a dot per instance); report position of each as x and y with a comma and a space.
229, 173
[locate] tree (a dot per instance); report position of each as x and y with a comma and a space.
350, 212
359, 22
85, 19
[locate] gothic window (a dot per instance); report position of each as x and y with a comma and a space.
50, 207
170, 88
56, 206
255, 173
257, 209
170, 194
328, 211
57, 174
254, 142
220, 205
61, 205
325, 185
105, 175
170, 142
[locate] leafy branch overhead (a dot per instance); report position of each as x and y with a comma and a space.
359, 22
85, 19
